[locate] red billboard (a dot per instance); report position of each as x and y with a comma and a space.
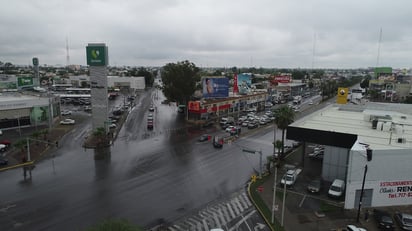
283, 79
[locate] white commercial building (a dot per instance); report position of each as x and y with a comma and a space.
348, 131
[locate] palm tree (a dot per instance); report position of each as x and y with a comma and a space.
283, 117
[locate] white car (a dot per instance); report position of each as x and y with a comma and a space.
112, 126
66, 112
230, 128
1, 132
3, 147
354, 228
67, 122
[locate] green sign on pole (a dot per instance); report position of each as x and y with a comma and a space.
35, 61
96, 55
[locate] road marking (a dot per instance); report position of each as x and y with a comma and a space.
230, 211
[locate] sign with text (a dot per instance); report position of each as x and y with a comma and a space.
97, 55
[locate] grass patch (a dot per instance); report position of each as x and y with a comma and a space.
326, 207
266, 212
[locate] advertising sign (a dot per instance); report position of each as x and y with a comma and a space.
24, 81
215, 87
194, 106
283, 78
244, 82
342, 97
97, 55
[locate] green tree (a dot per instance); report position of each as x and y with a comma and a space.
283, 117
100, 135
179, 81
148, 76
278, 145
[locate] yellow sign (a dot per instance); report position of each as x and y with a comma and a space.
253, 178
342, 97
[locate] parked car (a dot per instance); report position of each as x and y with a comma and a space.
4, 161
112, 125
150, 124
315, 186
151, 108
87, 108
230, 128
337, 188
354, 228
383, 219
6, 142
404, 220
66, 112
67, 122
289, 178
252, 125
203, 138
1, 132
3, 147
318, 155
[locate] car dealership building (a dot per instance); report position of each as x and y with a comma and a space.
370, 144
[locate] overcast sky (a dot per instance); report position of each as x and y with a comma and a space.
211, 33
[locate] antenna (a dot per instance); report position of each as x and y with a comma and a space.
67, 52
313, 50
379, 47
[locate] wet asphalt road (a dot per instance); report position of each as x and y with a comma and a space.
146, 176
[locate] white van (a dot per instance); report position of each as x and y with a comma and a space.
337, 188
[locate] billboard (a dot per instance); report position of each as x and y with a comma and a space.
283, 78
24, 81
244, 83
215, 87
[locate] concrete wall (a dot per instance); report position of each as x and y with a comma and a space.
389, 177
334, 163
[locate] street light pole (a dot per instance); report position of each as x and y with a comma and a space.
274, 194
362, 190
283, 203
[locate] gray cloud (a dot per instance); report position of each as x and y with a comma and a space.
262, 33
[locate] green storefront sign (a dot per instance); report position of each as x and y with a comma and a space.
24, 81
96, 55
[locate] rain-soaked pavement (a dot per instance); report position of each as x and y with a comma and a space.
147, 176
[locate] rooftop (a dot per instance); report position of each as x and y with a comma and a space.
380, 125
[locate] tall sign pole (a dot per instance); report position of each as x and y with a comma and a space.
97, 59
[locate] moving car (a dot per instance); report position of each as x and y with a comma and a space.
218, 142
67, 122
404, 220
383, 219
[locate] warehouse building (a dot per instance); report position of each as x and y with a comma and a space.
370, 144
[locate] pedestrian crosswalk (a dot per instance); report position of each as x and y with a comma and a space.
217, 215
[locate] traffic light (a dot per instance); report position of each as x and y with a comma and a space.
369, 154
